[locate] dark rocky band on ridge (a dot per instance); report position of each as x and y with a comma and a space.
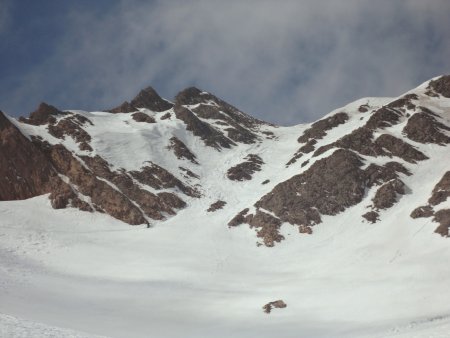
147, 98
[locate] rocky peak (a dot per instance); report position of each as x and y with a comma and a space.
44, 114
190, 96
147, 98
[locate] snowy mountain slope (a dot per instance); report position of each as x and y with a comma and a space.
191, 274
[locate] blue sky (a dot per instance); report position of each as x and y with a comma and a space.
286, 62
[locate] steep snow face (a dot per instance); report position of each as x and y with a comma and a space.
305, 237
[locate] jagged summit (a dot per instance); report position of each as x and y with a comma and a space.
42, 115
147, 98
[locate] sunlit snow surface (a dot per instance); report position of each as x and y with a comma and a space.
66, 272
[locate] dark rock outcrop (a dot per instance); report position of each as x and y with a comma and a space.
361, 141
44, 114
244, 171
423, 127
181, 150
147, 98
159, 178
101, 194
387, 194
422, 212
316, 132
443, 218
328, 187
194, 96
441, 191
216, 206
319, 129
72, 125
143, 117
211, 136
24, 170
278, 304
441, 86
371, 216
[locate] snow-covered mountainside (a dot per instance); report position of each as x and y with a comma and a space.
187, 217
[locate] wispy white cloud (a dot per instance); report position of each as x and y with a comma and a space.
287, 62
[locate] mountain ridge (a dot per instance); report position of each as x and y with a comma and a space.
80, 174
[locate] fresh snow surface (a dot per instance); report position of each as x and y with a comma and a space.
66, 272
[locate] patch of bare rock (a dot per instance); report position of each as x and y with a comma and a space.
244, 171
181, 150
440, 193
328, 187
216, 206
147, 98
317, 131
278, 304
143, 117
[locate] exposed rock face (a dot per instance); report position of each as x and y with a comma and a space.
443, 218
72, 125
316, 132
441, 86
387, 194
361, 141
422, 212
44, 114
328, 187
166, 116
208, 134
244, 171
142, 117
181, 150
278, 304
423, 127
193, 96
24, 170
216, 206
319, 129
239, 218
147, 98
440, 193
371, 216
102, 195
159, 178
152, 205
234, 131
351, 166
